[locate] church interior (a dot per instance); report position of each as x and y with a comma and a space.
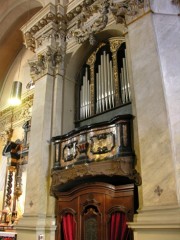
89, 120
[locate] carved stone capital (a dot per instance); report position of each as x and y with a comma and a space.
47, 62
90, 20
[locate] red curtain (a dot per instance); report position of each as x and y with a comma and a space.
68, 227
118, 227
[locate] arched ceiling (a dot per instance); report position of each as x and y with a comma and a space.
13, 15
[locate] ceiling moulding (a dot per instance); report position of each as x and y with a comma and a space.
82, 21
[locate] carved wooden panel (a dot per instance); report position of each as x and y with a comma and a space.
102, 149
97, 142
92, 204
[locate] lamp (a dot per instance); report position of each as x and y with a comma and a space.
15, 97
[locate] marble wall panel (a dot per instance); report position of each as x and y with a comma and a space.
152, 121
167, 33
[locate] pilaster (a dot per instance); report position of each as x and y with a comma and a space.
44, 35
153, 47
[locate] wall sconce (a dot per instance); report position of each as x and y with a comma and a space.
15, 97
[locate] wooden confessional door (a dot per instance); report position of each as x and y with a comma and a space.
91, 205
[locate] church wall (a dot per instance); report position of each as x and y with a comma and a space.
154, 136
167, 33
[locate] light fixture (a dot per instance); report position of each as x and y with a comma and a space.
15, 97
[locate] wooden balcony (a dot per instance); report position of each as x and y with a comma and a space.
96, 152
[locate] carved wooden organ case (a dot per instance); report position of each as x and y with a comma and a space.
93, 174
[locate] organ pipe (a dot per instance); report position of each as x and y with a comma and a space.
105, 86
85, 101
127, 72
124, 80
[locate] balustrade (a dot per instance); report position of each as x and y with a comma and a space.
93, 143
101, 149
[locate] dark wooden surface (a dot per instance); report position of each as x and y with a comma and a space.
104, 197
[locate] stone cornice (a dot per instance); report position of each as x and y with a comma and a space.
37, 23
80, 21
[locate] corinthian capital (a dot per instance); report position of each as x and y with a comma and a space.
46, 63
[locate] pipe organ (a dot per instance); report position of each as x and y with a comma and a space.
97, 149
105, 78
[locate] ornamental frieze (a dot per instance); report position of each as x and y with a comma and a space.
54, 25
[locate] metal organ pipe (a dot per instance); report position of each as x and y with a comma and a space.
122, 86
127, 72
108, 81
124, 81
85, 103
105, 80
112, 83
104, 84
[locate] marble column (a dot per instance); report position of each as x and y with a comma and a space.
155, 84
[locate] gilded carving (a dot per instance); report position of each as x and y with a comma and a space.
115, 43
20, 114
6, 135
102, 143
70, 151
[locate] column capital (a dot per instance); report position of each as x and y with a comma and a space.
45, 29
47, 62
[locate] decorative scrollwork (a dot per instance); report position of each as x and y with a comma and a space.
45, 63
102, 143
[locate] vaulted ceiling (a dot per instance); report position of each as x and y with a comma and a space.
13, 15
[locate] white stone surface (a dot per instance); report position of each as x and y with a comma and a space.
168, 34
152, 119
